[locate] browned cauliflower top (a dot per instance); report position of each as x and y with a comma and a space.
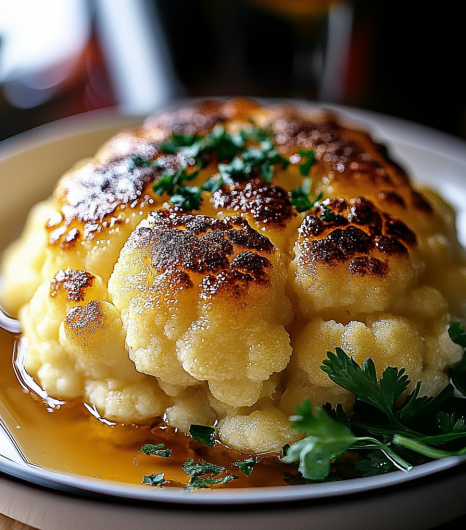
200, 266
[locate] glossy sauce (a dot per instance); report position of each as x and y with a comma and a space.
69, 439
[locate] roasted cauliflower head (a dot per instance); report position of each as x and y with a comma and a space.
199, 268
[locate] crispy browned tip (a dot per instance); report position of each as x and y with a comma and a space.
227, 254
266, 203
352, 232
72, 283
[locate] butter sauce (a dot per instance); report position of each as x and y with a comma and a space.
67, 437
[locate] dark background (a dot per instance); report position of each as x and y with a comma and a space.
405, 59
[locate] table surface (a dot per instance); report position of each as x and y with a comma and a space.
9, 524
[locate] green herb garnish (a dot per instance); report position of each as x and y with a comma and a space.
236, 158
203, 474
202, 434
153, 479
327, 215
156, 450
300, 197
309, 156
247, 465
397, 435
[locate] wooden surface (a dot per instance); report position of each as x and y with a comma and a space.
9, 524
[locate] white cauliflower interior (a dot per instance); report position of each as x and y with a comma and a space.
223, 316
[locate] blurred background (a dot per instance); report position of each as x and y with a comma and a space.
60, 58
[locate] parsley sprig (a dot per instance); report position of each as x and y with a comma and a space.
387, 435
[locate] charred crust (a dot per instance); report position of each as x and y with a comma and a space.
72, 282
351, 240
224, 251
233, 283
95, 200
390, 245
367, 266
326, 251
398, 229
350, 232
342, 153
198, 118
251, 264
266, 203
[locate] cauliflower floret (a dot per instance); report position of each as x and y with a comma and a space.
388, 340
76, 349
352, 258
262, 431
203, 300
23, 259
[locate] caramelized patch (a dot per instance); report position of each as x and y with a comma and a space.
345, 155
265, 202
95, 199
198, 118
73, 282
351, 231
228, 252
367, 266
85, 320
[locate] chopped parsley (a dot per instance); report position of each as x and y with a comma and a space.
203, 474
300, 197
246, 466
327, 215
239, 155
153, 479
156, 450
309, 156
202, 434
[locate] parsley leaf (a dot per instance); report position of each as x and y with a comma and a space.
416, 409
156, 450
203, 474
247, 465
326, 440
300, 197
202, 434
309, 157
457, 333
173, 144
153, 479
187, 197
346, 372
374, 464
327, 215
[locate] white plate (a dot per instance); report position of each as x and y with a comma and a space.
423, 498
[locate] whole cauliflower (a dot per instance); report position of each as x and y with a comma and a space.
177, 274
